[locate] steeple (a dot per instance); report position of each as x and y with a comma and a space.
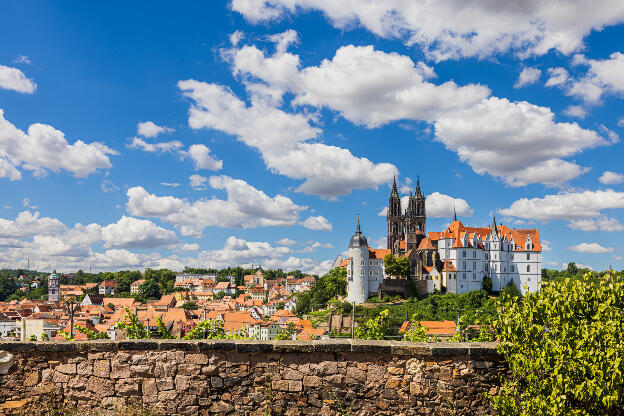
454, 214
494, 229
395, 191
418, 186
358, 239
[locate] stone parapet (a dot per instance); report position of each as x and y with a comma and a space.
245, 377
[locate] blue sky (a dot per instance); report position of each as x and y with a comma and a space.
253, 132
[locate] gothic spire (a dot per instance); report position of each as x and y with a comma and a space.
454, 213
395, 191
358, 225
417, 193
494, 229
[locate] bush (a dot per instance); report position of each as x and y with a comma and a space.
565, 348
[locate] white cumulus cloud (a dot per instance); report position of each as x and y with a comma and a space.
245, 207
317, 223
150, 129
593, 248
528, 76
14, 79
44, 148
611, 178
448, 29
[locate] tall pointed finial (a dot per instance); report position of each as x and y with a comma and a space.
494, 230
395, 191
358, 225
417, 193
454, 213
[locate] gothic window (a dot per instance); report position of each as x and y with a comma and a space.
394, 228
474, 276
512, 269
474, 265
528, 256
361, 272
487, 256
362, 263
528, 268
370, 273
487, 267
463, 253
370, 262
464, 265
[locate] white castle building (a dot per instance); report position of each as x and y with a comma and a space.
455, 260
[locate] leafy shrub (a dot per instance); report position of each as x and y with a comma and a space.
565, 348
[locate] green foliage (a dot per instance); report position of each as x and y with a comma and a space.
91, 334
375, 328
397, 266
219, 295
511, 291
287, 332
44, 337
134, 329
416, 333
8, 287
33, 337
565, 348
163, 331
329, 286
213, 329
150, 289
191, 306
486, 285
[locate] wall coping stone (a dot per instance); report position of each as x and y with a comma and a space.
421, 349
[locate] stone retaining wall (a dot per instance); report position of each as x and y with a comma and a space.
252, 377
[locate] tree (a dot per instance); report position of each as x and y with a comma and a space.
416, 333
375, 328
219, 295
191, 306
287, 332
149, 290
8, 287
397, 266
327, 287
564, 345
487, 284
134, 328
511, 290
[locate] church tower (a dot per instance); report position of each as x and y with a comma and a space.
53, 287
394, 218
415, 219
420, 216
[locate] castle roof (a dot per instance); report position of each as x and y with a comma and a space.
378, 253
456, 230
426, 244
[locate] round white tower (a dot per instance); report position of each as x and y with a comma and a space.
357, 278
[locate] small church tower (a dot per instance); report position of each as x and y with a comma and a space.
357, 273
394, 218
54, 288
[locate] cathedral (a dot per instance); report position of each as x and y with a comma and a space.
456, 260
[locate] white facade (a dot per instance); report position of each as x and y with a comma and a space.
365, 271
54, 288
502, 260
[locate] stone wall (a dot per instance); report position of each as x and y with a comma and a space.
251, 377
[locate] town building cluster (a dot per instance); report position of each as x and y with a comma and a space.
260, 309
456, 260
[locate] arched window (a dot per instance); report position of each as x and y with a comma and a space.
528, 256
528, 267
394, 228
